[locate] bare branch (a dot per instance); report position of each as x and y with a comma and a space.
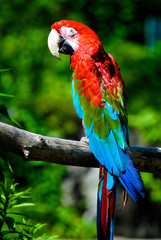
35, 147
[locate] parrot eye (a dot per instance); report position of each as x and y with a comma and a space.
68, 32
72, 32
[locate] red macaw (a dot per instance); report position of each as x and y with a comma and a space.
99, 98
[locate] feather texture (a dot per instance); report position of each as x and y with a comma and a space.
99, 98
106, 207
105, 124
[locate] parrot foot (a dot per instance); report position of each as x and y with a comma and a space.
85, 140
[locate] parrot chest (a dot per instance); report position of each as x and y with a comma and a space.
86, 83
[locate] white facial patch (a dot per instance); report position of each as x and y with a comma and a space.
68, 32
71, 35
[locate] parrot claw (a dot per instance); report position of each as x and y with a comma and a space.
125, 198
85, 140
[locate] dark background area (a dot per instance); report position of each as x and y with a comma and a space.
41, 85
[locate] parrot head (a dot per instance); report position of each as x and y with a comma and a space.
72, 38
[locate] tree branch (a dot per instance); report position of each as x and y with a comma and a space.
35, 147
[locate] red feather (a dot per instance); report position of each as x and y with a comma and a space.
108, 201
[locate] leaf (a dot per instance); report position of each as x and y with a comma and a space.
2, 198
22, 194
16, 123
23, 205
39, 226
25, 224
6, 95
19, 214
10, 223
44, 236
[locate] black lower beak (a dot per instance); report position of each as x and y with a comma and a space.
65, 47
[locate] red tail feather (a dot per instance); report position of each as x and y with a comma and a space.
107, 208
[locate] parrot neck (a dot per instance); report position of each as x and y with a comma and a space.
96, 51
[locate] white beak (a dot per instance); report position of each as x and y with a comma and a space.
53, 41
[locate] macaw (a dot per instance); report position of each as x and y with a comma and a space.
99, 98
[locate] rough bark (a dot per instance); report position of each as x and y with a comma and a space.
35, 147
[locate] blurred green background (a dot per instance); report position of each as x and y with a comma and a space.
41, 86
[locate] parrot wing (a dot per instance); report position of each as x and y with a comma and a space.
104, 116
99, 99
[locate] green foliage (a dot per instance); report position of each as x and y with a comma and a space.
153, 185
72, 226
36, 90
140, 69
12, 225
64, 221
41, 84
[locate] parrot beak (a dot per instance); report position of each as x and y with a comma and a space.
57, 44
54, 40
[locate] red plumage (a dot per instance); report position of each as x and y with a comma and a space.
108, 201
99, 98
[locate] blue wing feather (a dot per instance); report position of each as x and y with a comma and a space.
111, 153
111, 111
76, 102
131, 181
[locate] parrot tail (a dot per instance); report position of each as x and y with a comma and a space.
106, 207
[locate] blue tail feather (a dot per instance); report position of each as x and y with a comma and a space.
132, 182
115, 160
109, 154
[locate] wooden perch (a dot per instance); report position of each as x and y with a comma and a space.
35, 147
